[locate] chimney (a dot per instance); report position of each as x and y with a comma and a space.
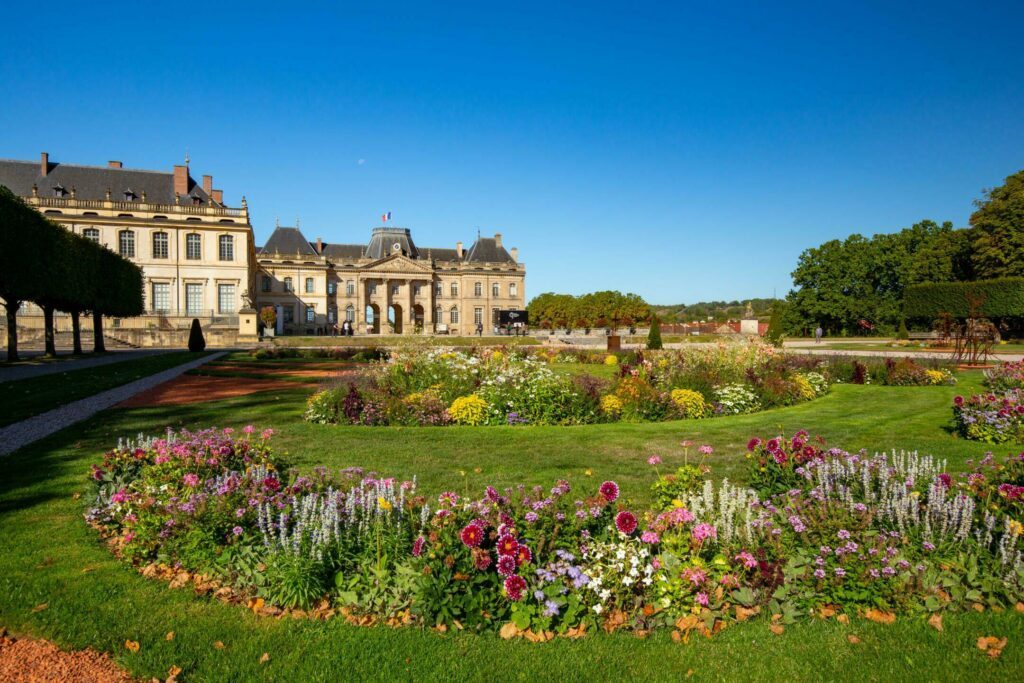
218, 196
515, 254
319, 245
458, 249
44, 164
181, 180
113, 164
497, 240
208, 184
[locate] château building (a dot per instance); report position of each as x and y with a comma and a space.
199, 259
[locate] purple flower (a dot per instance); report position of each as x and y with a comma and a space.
819, 573
238, 531
843, 534
840, 571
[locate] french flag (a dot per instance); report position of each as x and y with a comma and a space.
385, 217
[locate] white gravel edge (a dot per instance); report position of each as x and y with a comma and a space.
20, 434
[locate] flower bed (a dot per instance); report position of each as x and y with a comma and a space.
992, 418
830, 532
492, 387
1005, 376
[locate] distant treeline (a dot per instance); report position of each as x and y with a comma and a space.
713, 310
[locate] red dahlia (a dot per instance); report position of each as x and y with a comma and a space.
472, 535
506, 565
514, 587
610, 491
507, 545
523, 555
625, 522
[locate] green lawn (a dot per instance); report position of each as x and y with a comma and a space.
48, 556
913, 348
24, 398
405, 340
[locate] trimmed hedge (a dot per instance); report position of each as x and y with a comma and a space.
1000, 298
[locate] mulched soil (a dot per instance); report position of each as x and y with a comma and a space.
24, 660
304, 370
188, 389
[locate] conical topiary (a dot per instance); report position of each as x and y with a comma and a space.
903, 333
654, 336
196, 341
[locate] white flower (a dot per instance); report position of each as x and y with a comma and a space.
597, 609
620, 554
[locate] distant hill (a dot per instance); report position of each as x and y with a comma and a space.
713, 310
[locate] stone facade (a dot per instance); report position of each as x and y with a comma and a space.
199, 259
389, 285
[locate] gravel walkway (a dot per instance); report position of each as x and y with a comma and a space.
22, 433
26, 371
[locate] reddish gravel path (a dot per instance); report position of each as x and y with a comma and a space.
188, 389
27, 660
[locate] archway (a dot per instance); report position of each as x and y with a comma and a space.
395, 318
372, 319
417, 316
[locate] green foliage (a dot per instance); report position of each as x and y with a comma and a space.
668, 488
774, 334
293, 580
196, 341
999, 298
598, 309
714, 310
998, 230
903, 333
654, 336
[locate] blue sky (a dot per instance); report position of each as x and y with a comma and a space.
683, 151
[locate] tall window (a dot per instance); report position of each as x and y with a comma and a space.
495, 289
289, 313
226, 299
91, 234
161, 297
332, 287
455, 289
478, 316
267, 283
350, 313
478, 289
332, 314
453, 315
287, 284
160, 242
310, 314
309, 285
438, 314
193, 246
513, 289
417, 289
126, 243
350, 288
373, 288
193, 299
439, 289
494, 317
227, 248
394, 290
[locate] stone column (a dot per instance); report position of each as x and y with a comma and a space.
386, 308
412, 307
360, 304
428, 311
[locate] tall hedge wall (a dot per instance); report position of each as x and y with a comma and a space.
1001, 298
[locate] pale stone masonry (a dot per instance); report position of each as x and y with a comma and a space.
199, 259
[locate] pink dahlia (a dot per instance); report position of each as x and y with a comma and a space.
507, 545
654, 460
523, 555
482, 561
610, 491
472, 535
753, 443
191, 479
514, 587
506, 565
625, 522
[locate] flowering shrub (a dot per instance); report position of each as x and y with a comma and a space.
611, 406
845, 532
990, 418
733, 399
468, 410
690, 404
1005, 376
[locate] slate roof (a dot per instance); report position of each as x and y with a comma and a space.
344, 251
382, 242
92, 182
486, 249
288, 241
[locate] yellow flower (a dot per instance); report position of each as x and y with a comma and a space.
589, 473
468, 410
611, 360
690, 403
677, 503
384, 504
1016, 527
611, 405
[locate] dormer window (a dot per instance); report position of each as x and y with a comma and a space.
196, 201
58, 191
129, 195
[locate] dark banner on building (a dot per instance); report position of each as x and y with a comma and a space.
513, 317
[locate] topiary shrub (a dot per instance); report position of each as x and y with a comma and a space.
902, 333
196, 341
654, 336
774, 334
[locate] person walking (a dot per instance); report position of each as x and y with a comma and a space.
479, 329
817, 334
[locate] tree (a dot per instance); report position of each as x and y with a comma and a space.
654, 336
196, 341
997, 228
774, 333
903, 333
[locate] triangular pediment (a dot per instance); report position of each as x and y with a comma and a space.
397, 263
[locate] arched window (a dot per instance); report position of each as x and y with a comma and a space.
227, 248
126, 243
287, 284
350, 313
193, 246
160, 245
438, 314
453, 315
91, 234
495, 289
478, 289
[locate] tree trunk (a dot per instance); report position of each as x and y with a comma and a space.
76, 332
97, 332
12, 330
51, 346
